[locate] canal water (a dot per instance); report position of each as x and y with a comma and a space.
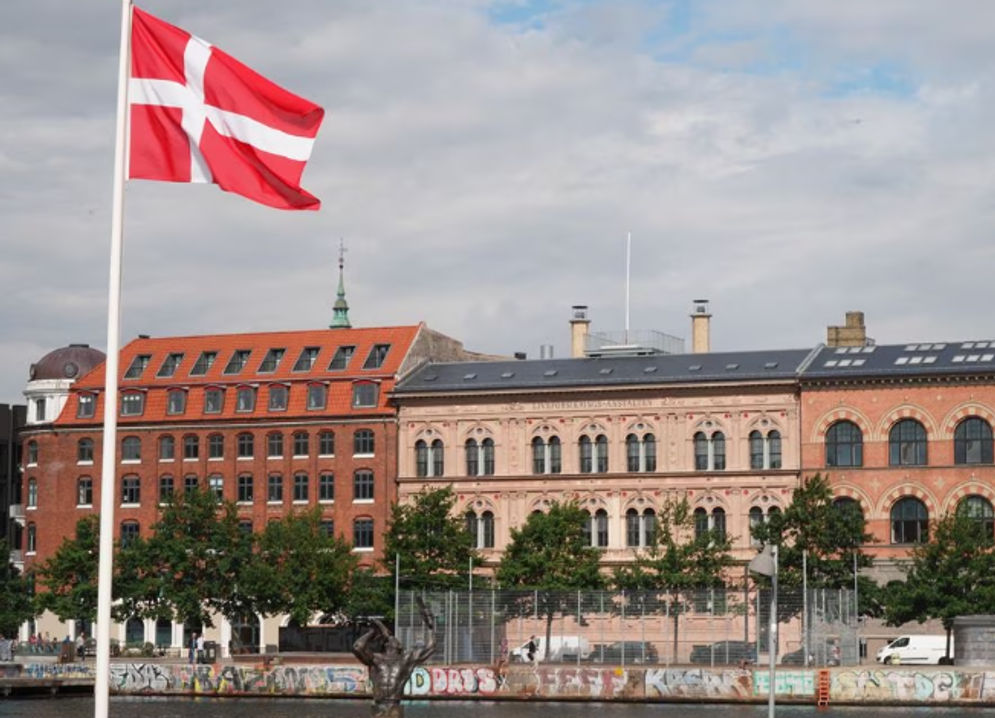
78, 707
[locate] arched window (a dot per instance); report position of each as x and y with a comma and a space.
84, 491
973, 442
774, 449
32, 493
718, 451
362, 442
555, 455
191, 447
700, 522
480, 457
756, 450
131, 490
131, 448
245, 445
640, 453
538, 455
719, 523
756, 519
700, 452
709, 451
438, 458
600, 528
84, 451
716, 522
302, 443
907, 444
601, 453
274, 445
134, 632
980, 509
429, 458
844, 445
593, 454
586, 452
909, 521
640, 530
546, 456
362, 485
632, 453
362, 533
765, 451
32, 452
421, 458
487, 449
129, 532
481, 528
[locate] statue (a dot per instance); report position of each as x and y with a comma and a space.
391, 669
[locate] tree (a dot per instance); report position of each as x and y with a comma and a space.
551, 554
679, 559
16, 605
298, 569
69, 576
434, 546
953, 574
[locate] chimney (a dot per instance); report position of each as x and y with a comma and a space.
579, 324
852, 334
700, 318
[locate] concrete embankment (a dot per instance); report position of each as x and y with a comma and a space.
849, 685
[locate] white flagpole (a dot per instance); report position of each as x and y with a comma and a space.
108, 466
628, 263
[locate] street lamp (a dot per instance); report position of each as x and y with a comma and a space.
765, 563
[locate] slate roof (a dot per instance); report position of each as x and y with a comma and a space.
903, 360
605, 371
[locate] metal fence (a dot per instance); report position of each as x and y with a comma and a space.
711, 626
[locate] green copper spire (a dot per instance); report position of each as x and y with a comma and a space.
340, 310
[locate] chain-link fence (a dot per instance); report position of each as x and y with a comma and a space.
710, 626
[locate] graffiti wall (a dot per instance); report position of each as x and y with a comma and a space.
441, 681
684, 683
49, 671
786, 683
236, 679
907, 685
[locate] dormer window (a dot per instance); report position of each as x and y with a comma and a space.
132, 403
305, 362
169, 365
238, 361
176, 401
245, 399
214, 400
317, 395
365, 394
271, 361
86, 406
278, 397
204, 362
376, 357
341, 359
137, 367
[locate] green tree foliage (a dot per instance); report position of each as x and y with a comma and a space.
953, 574
434, 546
370, 595
678, 561
832, 535
551, 554
68, 578
16, 605
298, 569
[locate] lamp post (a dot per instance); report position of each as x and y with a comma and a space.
765, 563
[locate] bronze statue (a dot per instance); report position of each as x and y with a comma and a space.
391, 669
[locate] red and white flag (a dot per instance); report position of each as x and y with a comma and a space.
199, 115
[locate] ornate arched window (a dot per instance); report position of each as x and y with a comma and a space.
973, 442
844, 445
909, 521
907, 444
980, 509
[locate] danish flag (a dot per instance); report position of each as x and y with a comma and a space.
199, 115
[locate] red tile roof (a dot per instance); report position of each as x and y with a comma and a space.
339, 382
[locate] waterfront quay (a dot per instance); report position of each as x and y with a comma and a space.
856, 685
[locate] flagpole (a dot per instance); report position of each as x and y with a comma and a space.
108, 465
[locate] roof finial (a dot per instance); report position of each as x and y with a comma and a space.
340, 310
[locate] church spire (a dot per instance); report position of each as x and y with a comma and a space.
340, 310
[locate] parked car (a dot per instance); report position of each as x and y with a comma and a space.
917, 649
724, 653
624, 652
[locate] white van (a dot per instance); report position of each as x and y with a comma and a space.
561, 648
917, 650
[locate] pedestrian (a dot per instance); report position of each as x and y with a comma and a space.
531, 651
200, 648
502, 663
81, 646
193, 648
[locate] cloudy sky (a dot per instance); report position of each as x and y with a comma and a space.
787, 159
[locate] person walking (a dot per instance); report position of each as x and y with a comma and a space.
200, 648
193, 648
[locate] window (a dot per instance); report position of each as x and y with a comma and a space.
980, 509
362, 442
765, 451
586, 455
756, 450
32, 540
204, 362
244, 489
640, 530
481, 528
32, 453
238, 360
176, 401
341, 358
326, 487
327, 527
130, 490
429, 458
596, 529
165, 489
376, 357
362, 485
973, 442
216, 485
129, 532
274, 488
546, 455
137, 366
190, 484
84, 451
844, 445
271, 361
714, 523
719, 523
909, 521
301, 443
167, 448
245, 526
214, 401
32, 493
132, 403
274, 445
40, 409
169, 365
191, 447
365, 394
756, 519
907, 444
480, 457
300, 487
131, 448
84, 491
774, 450
245, 446
245, 399
277, 397
307, 358
640, 453
86, 406
701, 452
362, 533
215, 446
326, 443
316, 396
709, 451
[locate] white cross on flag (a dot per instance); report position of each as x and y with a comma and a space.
199, 115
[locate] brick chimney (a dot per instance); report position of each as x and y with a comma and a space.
579, 325
700, 335
852, 334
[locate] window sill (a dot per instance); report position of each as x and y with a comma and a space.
216, 458
245, 458
274, 502
326, 456
84, 506
131, 461
31, 508
299, 502
362, 549
84, 463
362, 501
274, 458
166, 461
190, 459
300, 456
244, 502
134, 505
363, 456
326, 501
